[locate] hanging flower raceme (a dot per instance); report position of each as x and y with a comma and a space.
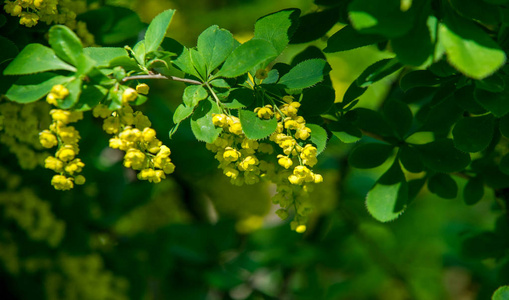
66, 139
132, 134
285, 159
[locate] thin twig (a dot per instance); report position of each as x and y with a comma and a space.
159, 76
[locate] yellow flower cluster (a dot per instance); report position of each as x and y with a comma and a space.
247, 161
33, 216
133, 135
83, 277
66, 138
19, 129
31, 12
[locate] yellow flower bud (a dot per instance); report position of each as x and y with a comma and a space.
142, 88
129, 95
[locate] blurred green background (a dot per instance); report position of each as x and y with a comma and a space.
195, 236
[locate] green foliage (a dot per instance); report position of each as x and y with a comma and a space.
156, 31
254, 127
305, 74
438, 126
41, 59
247, 56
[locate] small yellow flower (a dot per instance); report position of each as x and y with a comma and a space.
102, 111
66, 153
54, 164
231, 154
62, 183
284, 161
265, 112
219, 120
60, 91
48, 139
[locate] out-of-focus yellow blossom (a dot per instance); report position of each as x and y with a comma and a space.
20, 125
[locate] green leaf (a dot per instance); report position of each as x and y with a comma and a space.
469, 48
345, 131
369, 155
199, 64
255, 128
8, 51
318, 137
247, 56
66, 44
352, 93
317, 100
473, 191
378, 71
239, 98
157, 30
494, 83
139, 52
478, 10
504, 164
371, 121
416, 47
442, 156
399, 116
181, 113
305, 74
35, 58
464, 98
90, 97
410, 159
315, 25
347, 38
220, 83
183, 59
74, 88
104, 55
387, 199
194, 94
215, 45
443, 185
419, 78
441, 117
33, 87
277, 28
414, 187
504, 125
381, 17
502, 293
496, 103
201, 121
473, 134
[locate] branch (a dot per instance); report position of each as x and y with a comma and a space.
159, 76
